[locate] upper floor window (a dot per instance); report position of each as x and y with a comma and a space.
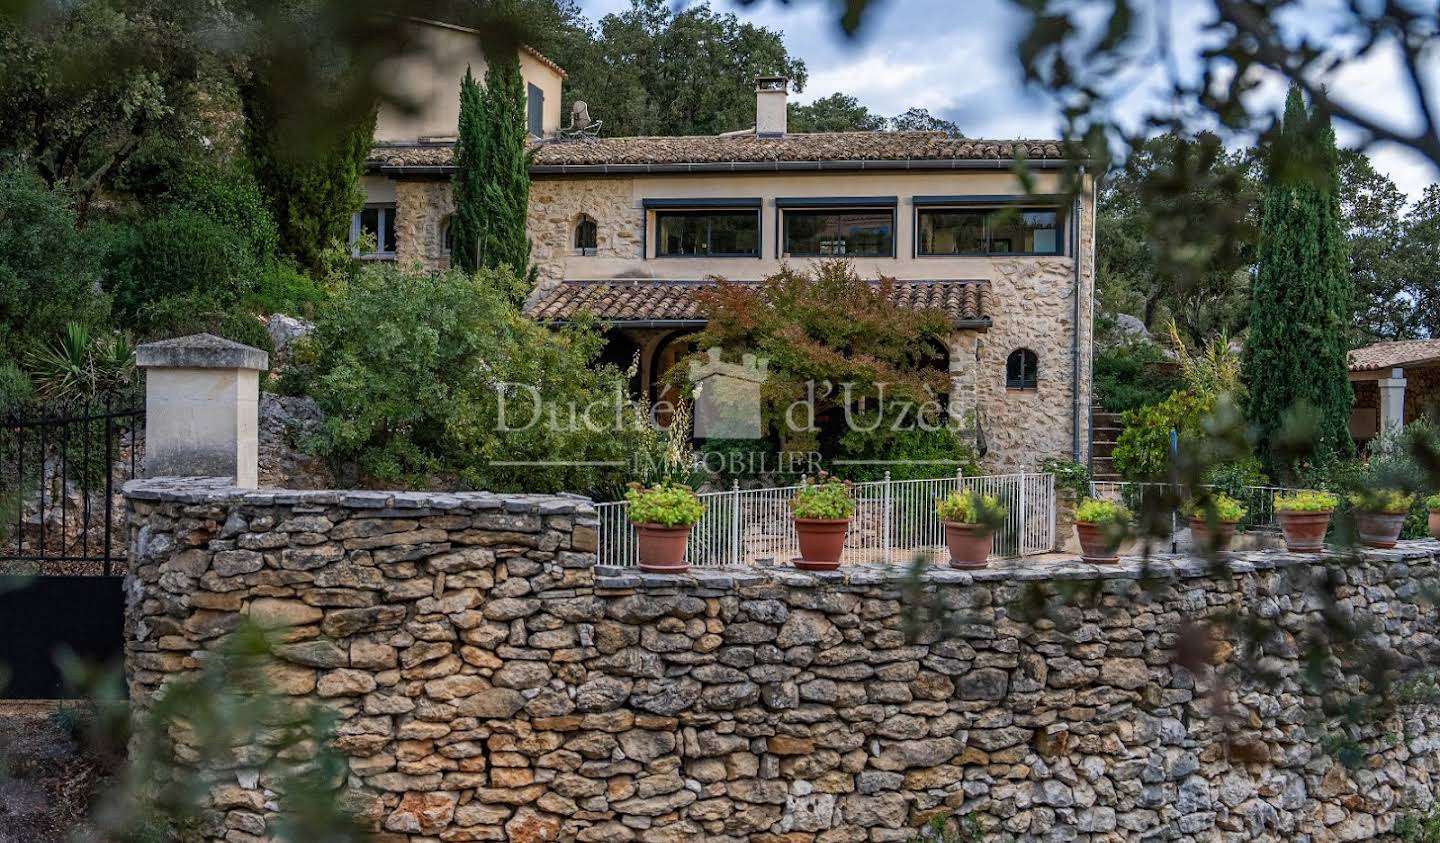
1021, 370
586, 235
988, 231
447, 234
707, 233
854, 232
378, 221
534, 110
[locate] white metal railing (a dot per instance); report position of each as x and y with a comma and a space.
894, 519
1259, 501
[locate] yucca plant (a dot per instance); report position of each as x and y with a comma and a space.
82, 365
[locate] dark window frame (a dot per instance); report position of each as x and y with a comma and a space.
967, 204
1027, 378
661, 212
782, 233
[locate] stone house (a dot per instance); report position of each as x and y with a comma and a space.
628, 229
1395, 383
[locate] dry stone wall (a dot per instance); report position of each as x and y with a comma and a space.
491, 683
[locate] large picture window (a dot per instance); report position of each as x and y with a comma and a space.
992, 231
378, 221
855, 232
707, 234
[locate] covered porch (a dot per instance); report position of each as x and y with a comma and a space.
1395, 383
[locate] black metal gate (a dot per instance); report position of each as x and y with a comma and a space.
63, 538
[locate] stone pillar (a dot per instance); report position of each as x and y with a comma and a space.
964, 401
202, 396
1392, 401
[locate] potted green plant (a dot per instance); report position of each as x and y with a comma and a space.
1100, 525
1304, 517
970, 519
1380, 515
663, 515
1432, 503
822, 509
1226, 511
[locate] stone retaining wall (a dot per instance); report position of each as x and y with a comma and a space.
492, 684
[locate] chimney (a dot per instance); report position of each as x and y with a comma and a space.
771, 93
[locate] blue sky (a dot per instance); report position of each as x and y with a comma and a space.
956, 58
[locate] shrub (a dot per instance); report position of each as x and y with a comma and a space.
1134, 375
47, 266
282, 288
971, 507
200, 313
178, 253
1387, 501
824, 497
1224, 507
915, 454
1306, 501
1092, 511
1432, 502
1069, 474
15, 388
668, 504
1143, 450
432, 378
227, 194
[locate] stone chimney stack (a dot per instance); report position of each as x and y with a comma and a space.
771, 95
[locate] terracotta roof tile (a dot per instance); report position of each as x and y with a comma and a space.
657, 301
712, 149
1386, 355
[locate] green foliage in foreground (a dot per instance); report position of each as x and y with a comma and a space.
1224, 508
1388, 501
436, 379
668, 504
826, 497
1092, 511
1419, 826
1306, 501
971, 507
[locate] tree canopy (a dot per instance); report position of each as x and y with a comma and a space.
1295, 356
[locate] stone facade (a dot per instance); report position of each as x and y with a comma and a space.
555, 209
491, 683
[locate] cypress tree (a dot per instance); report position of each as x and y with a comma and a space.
311, 189
1295, 355
467, 225
492, 173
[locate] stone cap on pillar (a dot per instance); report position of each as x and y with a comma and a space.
200, 351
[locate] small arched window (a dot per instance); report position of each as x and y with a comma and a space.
447, 227
1021, 370
586, 234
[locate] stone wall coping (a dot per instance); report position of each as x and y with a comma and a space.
200, 351
221, 490
1156, 566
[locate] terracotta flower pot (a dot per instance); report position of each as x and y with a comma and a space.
662, 549
1379, 529
1435, 523
969, 544
1096, 545
1202, 537
822, 540
1304, 531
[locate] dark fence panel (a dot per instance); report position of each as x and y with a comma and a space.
41, 616
61, 469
